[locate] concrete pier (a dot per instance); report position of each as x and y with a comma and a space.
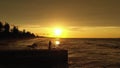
55, 58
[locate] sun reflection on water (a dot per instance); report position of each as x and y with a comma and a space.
57, 43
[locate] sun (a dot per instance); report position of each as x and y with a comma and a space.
58, 31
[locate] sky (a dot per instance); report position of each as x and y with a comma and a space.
77, 18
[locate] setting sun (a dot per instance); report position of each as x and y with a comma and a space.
58, 31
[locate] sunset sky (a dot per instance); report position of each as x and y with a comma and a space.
76, 18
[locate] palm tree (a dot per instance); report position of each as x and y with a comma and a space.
1, 26
15, 30
6, 27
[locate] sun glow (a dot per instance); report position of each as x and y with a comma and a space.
58, 31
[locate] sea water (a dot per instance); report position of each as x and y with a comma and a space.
83, 53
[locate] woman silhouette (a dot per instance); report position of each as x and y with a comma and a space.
50, 45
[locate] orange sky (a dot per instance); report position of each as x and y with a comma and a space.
78, 32
77, 18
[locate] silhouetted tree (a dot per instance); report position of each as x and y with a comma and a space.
24, 31
1, 26
33, 35
28, 33
15, 30
6, 27
5, 32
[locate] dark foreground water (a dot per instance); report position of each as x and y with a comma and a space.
83, 53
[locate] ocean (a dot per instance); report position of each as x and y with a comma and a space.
83, 53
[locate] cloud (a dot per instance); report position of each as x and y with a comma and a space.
90, 28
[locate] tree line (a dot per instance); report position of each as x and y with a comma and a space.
7, 32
